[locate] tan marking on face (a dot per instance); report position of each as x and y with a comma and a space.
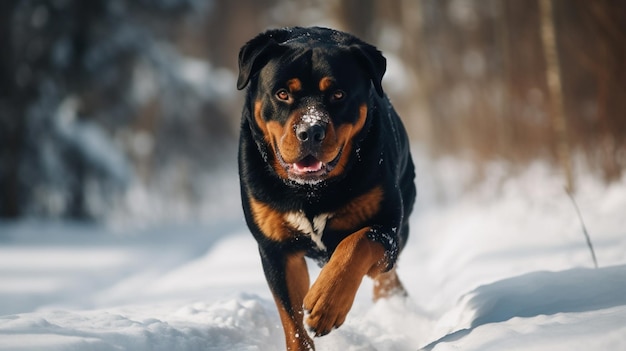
325, 83
258, 118
285, 139
358, 211
285, 142
294, 85
270, 221
272, 132
281, 138
345, 135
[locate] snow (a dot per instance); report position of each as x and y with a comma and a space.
502, 266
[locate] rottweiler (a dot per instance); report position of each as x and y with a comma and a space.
325, 172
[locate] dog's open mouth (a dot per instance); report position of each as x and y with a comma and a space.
309, 169
309, 164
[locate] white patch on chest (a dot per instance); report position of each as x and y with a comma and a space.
314, 229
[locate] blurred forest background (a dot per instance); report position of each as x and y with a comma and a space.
130, 106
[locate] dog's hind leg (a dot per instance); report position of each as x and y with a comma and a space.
388, 284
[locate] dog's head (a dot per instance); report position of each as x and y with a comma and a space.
310, 89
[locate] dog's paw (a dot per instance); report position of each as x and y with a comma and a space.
325, 313
328, 302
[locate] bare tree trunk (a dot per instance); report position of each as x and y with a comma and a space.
12, 106
361, 23
555, 90
419, 122
504, 120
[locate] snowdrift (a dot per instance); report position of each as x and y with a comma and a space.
503, 267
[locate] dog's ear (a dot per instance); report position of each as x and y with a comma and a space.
373, 61
256, 53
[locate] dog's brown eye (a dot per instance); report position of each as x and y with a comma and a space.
282, 94
338, 95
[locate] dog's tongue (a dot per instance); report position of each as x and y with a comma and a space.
307, 165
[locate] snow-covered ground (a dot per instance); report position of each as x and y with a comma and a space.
504, 266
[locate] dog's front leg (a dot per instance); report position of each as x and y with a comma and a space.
330, 298
288, 279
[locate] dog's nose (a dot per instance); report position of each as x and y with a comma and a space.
310, 133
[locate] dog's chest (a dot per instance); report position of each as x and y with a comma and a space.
314, 227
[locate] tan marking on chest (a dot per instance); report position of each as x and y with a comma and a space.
358, 211
271, 222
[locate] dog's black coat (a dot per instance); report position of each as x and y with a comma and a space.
378, 156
